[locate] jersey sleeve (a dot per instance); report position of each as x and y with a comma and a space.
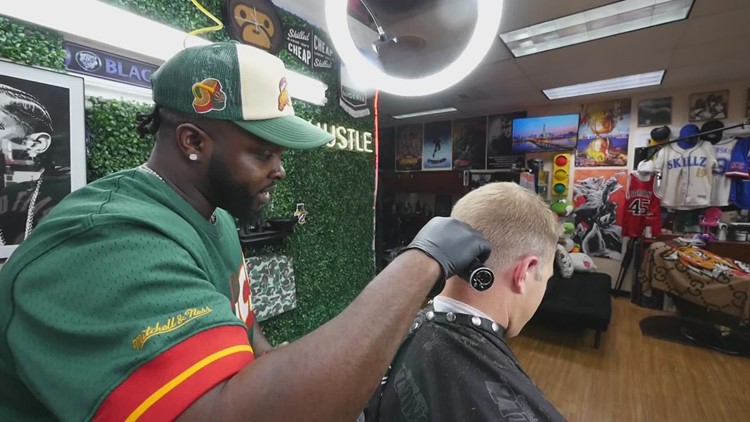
738, 164
122, 325
660, 161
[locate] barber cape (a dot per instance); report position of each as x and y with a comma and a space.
457, 367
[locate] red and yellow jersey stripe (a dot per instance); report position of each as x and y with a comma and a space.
163, 388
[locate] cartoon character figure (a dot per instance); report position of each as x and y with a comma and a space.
598, 150
596, 229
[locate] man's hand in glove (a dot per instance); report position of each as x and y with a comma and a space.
453, 244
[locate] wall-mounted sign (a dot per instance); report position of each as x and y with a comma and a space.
322, 53
352, 100
90, 61
347, 139
298, 42
309, 47
254, 22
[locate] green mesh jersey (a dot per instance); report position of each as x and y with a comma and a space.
123, 304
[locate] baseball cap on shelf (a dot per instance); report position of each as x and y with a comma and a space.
709, 126
239, 83
689, 130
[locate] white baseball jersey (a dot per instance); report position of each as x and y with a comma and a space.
722, 185
686, 175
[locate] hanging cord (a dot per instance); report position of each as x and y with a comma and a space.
218, 27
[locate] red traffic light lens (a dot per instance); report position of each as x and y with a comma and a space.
561, 160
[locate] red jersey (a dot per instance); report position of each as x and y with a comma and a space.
643, 208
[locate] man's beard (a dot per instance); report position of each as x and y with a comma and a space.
229, 195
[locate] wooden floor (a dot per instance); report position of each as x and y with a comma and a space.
632, 377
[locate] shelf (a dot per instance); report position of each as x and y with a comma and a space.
264, 238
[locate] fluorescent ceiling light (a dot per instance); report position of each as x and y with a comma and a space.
426, 113
612, 19
485, 31
607, 85
127, 31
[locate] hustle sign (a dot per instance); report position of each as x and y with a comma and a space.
90, 61
347, 139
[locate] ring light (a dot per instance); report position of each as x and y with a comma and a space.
488, 22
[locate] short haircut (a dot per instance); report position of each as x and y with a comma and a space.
516, 221
26, 109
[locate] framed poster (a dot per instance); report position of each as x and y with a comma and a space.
655, 112
438, 148
409, 148
599, 199
604, 134
43, 146
500, 141
470, 143
709, 106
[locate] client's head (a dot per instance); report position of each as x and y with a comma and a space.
523, 232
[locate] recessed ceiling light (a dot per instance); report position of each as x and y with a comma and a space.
607, 85
426, 113
612, 19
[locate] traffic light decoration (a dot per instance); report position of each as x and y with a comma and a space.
561, 175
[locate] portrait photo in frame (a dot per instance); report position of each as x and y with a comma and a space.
709, 106
42, 135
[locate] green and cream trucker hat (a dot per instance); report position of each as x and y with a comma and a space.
236, 82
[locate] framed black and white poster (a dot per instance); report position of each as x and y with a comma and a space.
709, 106
655, 112
43, 155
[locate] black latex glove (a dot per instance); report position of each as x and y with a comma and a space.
453, 244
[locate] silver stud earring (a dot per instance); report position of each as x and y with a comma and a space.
193, 157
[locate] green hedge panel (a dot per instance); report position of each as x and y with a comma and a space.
30, 45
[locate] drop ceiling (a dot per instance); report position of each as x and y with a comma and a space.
709, 47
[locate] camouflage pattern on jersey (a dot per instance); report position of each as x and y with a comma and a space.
272, 285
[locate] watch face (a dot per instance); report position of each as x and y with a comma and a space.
254, 22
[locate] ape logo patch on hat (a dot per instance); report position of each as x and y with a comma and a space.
209, 95
283, 95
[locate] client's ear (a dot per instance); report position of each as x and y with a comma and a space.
522, 273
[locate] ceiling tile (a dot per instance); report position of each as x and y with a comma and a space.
713, 7
730, 24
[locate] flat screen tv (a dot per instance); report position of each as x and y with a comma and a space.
546, 133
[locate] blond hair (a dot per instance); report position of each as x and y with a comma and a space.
515, 221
